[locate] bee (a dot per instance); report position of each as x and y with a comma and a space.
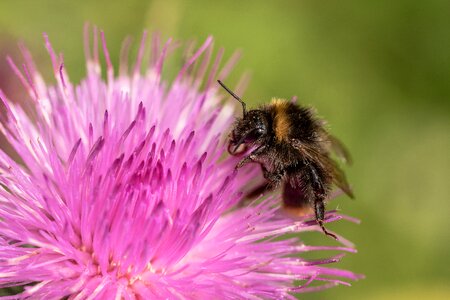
293, 148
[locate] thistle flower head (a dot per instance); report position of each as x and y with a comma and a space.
123, 190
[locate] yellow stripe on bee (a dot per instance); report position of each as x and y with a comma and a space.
281, 120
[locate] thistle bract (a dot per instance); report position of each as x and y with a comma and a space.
121, 188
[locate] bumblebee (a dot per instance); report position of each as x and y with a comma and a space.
293, 148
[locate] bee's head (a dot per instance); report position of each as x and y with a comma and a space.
249, 130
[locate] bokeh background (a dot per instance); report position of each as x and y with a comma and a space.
378, 71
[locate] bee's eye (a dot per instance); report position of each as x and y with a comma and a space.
254, 135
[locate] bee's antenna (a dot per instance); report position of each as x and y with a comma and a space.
244, 110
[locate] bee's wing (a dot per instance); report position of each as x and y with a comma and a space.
312, 154
338, 148
339, 178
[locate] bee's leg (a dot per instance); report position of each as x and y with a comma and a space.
251, 157
259, 189
319, 210
244, 161
319, 198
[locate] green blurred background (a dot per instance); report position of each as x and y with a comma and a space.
378, 71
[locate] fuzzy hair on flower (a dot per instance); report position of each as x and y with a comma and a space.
121, 188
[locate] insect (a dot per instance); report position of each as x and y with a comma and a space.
293, 149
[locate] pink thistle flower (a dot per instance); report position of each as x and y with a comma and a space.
124, 190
